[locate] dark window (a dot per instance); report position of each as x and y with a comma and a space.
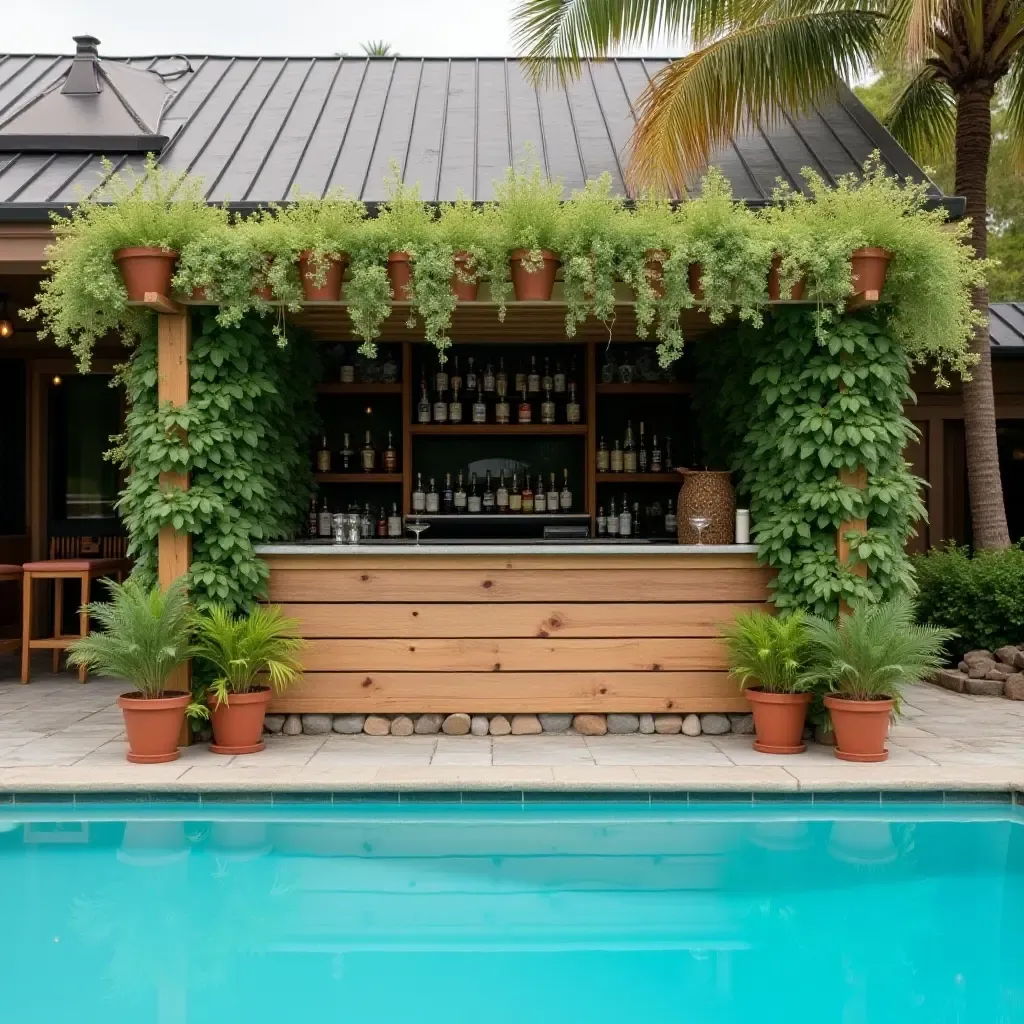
12, 446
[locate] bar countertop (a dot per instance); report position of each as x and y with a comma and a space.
532, 547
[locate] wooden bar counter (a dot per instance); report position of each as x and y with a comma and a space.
511, 628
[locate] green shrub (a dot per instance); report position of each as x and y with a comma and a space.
982, 598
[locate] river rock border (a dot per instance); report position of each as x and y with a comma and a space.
984, 673
462, 724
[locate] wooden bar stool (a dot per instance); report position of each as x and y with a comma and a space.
10, 574
85, 570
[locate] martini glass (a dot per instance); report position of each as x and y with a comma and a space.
700, 524
417, 527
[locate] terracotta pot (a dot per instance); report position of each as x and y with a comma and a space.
464, 291
778, 721
869, 267
694, 274
400, 276
536, 286
861, 727
153, 725
199, 295
264, 291
655, 272
796, 293
330, 290
238, 725
145, 269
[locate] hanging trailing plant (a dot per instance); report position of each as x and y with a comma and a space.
81, 296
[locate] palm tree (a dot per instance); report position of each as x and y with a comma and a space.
377, 48
751, 59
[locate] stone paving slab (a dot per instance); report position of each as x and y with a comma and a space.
57, 735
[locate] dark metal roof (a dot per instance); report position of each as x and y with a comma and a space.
1006, 327
254, 127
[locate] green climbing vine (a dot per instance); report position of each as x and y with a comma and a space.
795, 405
242, 437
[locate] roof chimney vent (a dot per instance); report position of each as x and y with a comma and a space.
82, 79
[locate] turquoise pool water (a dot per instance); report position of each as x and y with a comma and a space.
583, 912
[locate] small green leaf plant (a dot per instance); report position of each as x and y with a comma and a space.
768, 652
243, 649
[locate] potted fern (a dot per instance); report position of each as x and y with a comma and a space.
242, 651
865, 659
143, 637
768, 657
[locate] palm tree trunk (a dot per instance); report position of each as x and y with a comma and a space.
973, 143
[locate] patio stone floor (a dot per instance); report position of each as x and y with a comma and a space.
59, 735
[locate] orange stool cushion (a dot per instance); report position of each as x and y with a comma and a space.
75, 565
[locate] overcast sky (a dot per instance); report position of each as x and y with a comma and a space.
125, 27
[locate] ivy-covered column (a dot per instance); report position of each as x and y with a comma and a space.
174, 551
851, 530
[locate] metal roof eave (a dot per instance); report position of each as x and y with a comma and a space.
82, 143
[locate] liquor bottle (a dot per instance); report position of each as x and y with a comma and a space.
456, 379
641, 455
533, 378
489, 379
479, 408
366, 523
501, 498
572, 407
441, 377
637, 523
312, 520
526, 498
656, 465
323, 457
323, 522
547, 408
559, 379
565, 495
471, 384
460, 498
540, 499
390, 456
669, 465
629, 450
368, 455
615, 460
571, 380
502, 410
423, 406
419, 497
448, 496
501, 380
553, 497
473, 504
382, 523
515, 497
455, 406
547, 382
347, 455
613, 519
433, 499
602, 522
625, 519
525, 409
441, 408
521, 376
671, 520
489, 503
395, 522
602, 456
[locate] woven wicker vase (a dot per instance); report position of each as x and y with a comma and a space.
706, 493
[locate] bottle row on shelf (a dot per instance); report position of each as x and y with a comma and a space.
367, 458
382, 523
506, 497
627, 519
633, 457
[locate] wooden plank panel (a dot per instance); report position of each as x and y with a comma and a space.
523, 620
510, 692
448, 585
670, 560
622, 654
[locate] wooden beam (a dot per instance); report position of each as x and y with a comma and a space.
936, 479
174, 337
159, 304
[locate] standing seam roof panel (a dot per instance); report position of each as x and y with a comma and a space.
353, 158
525, 117
424, 150
492, 128
52, 178
458, 154
592, 137
393, 137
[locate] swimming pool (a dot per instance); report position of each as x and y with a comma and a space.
575, 912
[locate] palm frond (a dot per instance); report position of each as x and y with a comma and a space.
241, 648
911, 26
875, 651
1014, 123
143, 634
768, 651
922, 118
794, 55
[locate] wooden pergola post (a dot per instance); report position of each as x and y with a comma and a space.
174, 337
